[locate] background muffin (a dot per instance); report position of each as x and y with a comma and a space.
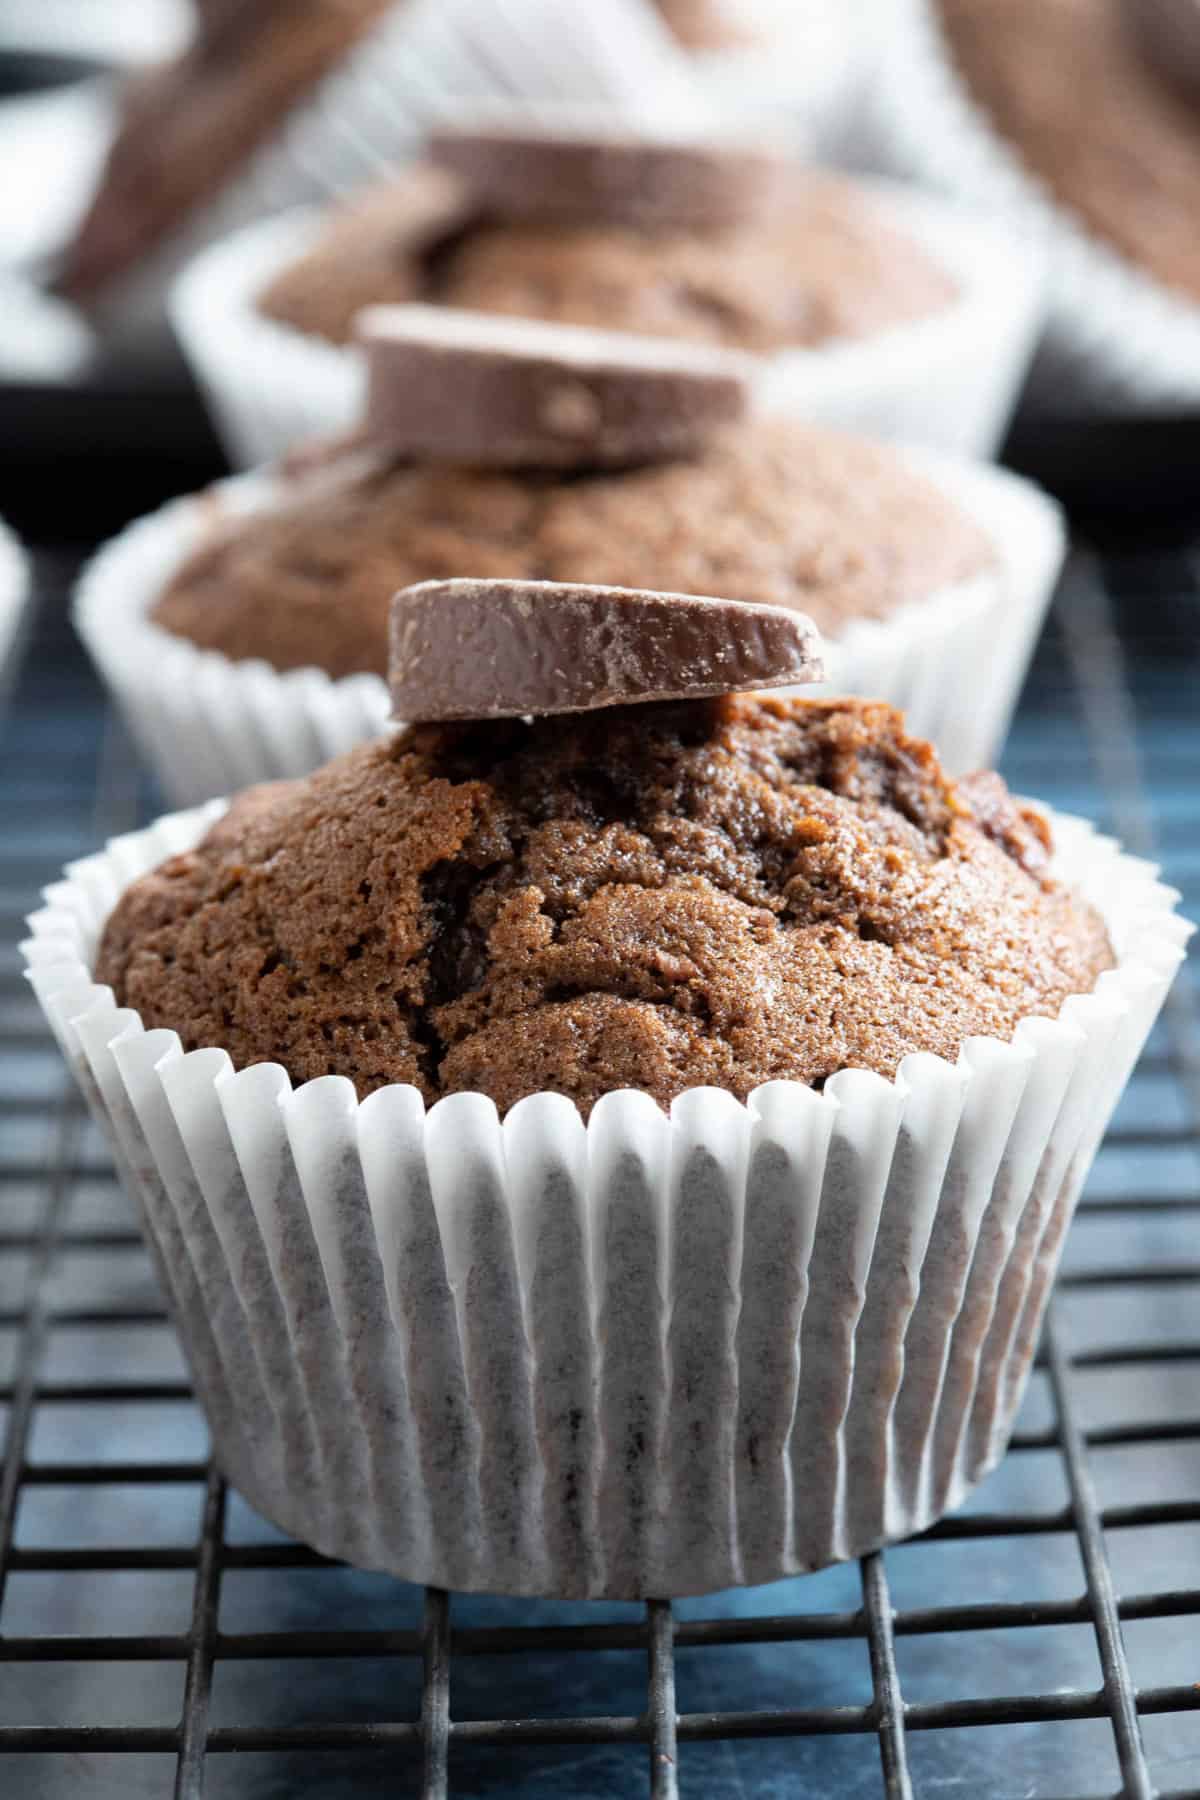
826, 264
1117, 143
188, 126
1098, 174
769, 510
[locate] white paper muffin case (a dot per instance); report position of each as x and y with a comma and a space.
949, 381
650, 1356
1116, 339
422, 58
14, 593
208, 725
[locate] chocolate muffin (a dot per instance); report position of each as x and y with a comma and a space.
188, 126
1116, 141
721, 892
769, 510
822, 267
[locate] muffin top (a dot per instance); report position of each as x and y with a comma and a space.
769, 510
718, 893
187, 126
824, 266
1115, 142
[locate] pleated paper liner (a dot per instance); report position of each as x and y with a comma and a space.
949, 381
1116, 340
653, 1355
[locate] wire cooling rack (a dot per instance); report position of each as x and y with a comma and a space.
1044, 1642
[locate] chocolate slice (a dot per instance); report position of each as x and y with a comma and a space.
565, 167
504, 649
454, 386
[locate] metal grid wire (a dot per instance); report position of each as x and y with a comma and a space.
1083, 739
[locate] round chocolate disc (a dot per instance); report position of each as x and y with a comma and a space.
505, 649
448, 385
589, 166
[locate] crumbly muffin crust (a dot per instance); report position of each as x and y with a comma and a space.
830, 266
771, 510
705, 893
1114, 142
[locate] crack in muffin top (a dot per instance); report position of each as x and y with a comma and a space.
707, 893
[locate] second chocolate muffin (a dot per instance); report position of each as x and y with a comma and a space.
770, 510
